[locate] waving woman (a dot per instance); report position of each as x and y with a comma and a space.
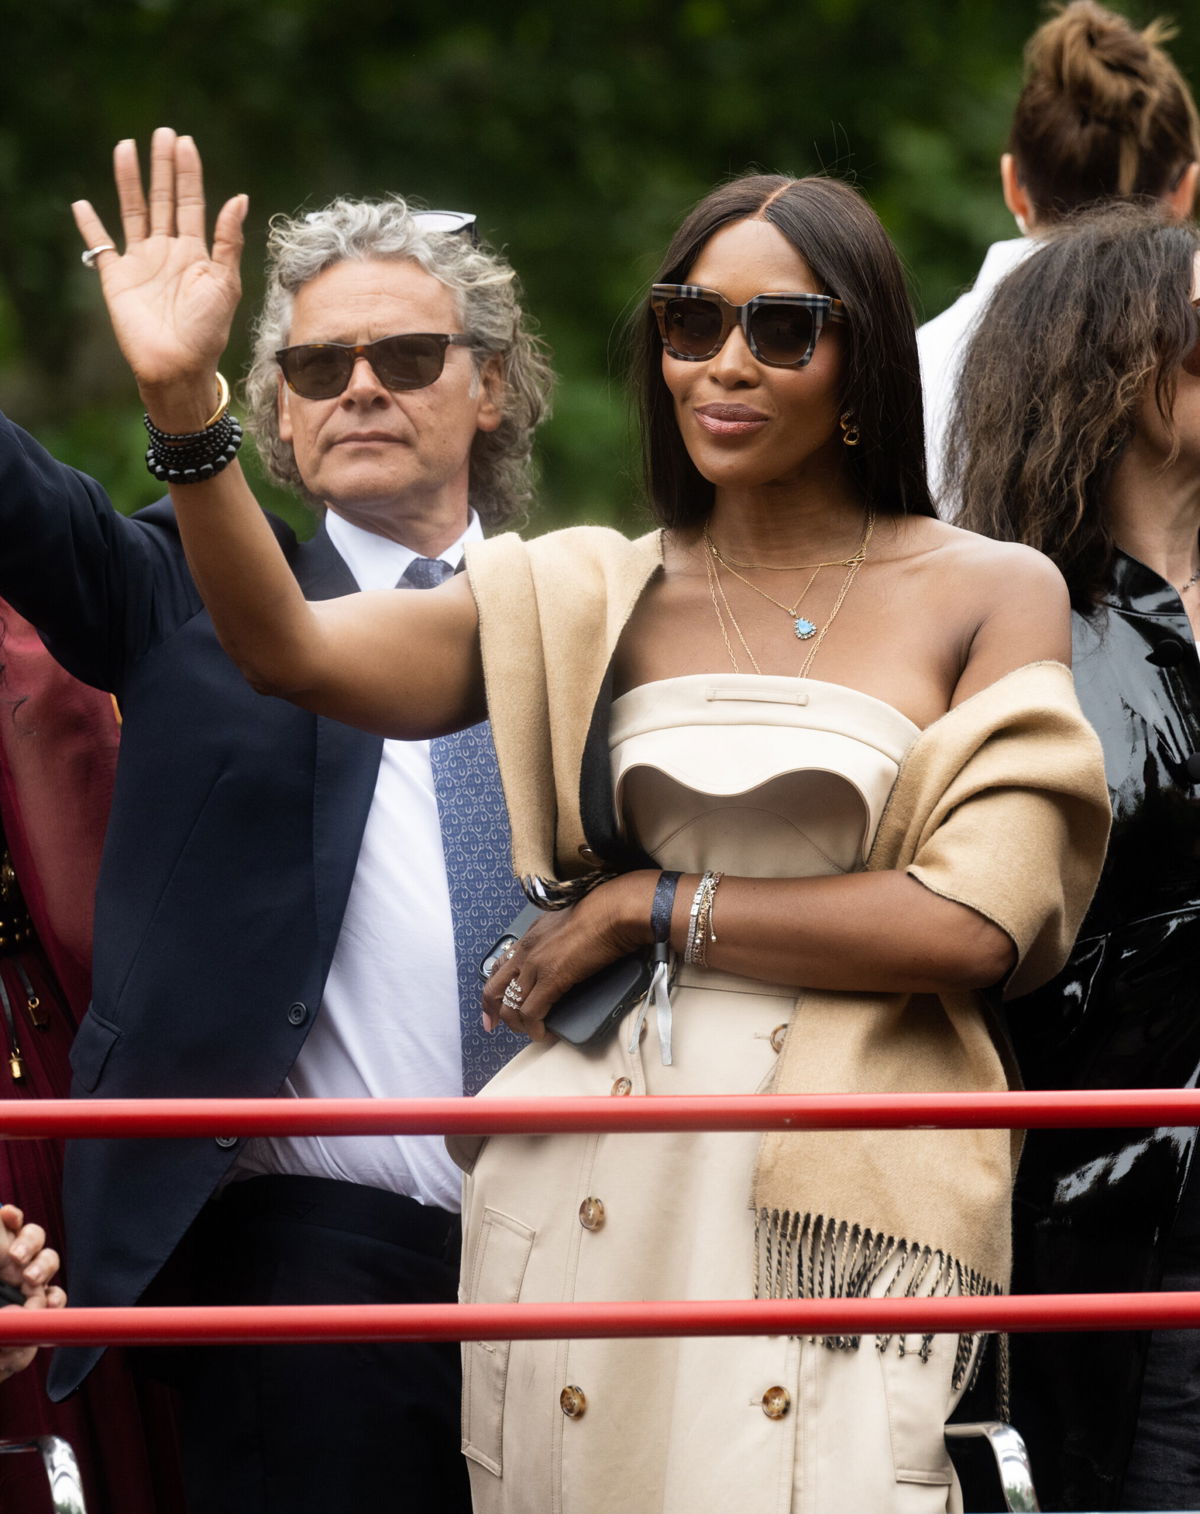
815, 743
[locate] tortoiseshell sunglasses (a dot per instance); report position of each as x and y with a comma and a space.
781, 330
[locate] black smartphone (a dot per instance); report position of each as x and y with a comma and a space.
10, 1295
591, 1010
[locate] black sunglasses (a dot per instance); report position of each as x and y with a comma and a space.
781, 330
321, 370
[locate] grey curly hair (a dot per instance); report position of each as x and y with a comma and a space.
301, 247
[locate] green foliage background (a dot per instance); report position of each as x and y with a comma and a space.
579, 133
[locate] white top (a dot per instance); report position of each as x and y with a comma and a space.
940, 346
388, 1025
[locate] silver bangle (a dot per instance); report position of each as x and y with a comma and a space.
700, 933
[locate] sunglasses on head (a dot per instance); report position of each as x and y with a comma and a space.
321, 370
781, 330
443, 222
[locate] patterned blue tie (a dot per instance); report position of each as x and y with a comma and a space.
484, 896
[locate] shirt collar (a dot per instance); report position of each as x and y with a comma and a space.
1000, 260
1138, 590
376, 561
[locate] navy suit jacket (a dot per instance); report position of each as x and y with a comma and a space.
232, 843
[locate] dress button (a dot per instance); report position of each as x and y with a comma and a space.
591, 1214
573, 1402
1168, 653
297, 1013
225, 1142
622, 1086
589, 854
777, 1036
776, 1402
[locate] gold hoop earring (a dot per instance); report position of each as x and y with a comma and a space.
850, 432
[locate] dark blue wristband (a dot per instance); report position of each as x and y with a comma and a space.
663, 905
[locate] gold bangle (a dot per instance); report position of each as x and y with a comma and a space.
222, 402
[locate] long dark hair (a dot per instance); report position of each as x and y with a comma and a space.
841, 239
1053, 379
1104, 112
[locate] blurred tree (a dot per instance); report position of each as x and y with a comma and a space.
579, 135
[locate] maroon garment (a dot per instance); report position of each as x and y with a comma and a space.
58, 750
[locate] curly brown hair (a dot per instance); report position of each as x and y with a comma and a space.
1054, 377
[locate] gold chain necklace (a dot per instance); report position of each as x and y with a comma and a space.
802, 628
778, 567
716, 588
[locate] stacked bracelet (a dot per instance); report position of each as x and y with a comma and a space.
700, 932
190, 457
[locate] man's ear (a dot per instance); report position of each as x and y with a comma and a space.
491, 400
1015, 196
282, 411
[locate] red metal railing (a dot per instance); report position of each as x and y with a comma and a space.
211, 1117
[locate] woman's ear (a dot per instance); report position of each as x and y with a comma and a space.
1181, 201
1014, 193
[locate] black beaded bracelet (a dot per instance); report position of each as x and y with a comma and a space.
663, 905
195, 457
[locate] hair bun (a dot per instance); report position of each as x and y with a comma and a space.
1104, 112
1111, 72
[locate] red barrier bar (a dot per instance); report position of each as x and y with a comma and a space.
28, 1119
361, 1322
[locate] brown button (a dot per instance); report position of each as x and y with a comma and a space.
777, 1036
591, 1214
589, 854
573, 1402
776, 1402
622, 1086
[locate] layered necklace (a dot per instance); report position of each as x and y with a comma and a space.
803, 628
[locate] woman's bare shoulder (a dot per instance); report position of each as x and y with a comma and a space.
996, 568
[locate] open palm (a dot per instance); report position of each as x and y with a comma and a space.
170, 300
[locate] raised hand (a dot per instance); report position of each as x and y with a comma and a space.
170, 299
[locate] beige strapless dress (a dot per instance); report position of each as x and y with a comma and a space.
758, 776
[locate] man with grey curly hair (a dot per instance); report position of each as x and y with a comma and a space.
289, 906
484, 287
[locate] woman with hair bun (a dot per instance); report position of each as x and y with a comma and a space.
1104, 115
1077, 431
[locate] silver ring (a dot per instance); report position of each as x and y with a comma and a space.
88, 258
514, 994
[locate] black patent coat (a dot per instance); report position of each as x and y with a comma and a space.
1095, 1208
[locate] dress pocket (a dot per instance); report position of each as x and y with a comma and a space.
919, 1400
497, 1270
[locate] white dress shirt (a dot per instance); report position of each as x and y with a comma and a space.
388, 1025
941, 344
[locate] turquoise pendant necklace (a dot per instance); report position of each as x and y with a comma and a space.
802, 628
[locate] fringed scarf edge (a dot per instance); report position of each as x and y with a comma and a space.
799, 1256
